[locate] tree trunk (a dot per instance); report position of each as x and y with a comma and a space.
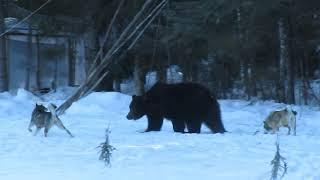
161, 74
37, 67
90, 48
304, 87
139, 77
290, 83
3, 54
252, 88
243, 56
117, 85
28, 59
283, 59
106, 84
54, 81
72, 62
240, 38
291, 67
286, 65
187, 69
29, 52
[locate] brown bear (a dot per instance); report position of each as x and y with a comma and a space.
186, 105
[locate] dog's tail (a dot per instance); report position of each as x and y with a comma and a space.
213, 121
52, 108
61, 126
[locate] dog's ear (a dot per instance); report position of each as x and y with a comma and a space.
53, 105
294, 112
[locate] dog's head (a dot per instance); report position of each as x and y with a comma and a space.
40, 108
291, 111
266, 126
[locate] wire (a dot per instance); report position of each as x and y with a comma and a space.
26, 18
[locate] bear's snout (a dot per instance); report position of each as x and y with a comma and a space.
129, 116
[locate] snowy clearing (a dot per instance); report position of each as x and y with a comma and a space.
238, 154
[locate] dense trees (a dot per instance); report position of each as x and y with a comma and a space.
267, 49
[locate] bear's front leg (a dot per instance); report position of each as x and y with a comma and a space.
154, 122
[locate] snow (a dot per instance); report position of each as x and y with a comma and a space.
238, 154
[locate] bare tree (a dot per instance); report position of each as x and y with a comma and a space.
29, 52
286, 79
106, 149
278, 163
130, 35
139, 76
283, 58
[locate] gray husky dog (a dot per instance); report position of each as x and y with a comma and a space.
281, 118
43, 119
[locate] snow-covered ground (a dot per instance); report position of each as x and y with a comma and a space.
238, 154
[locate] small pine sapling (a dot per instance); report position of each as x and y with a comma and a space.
279, 164
106, 149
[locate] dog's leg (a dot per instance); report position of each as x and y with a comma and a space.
61, 126
295, 127
37, 130
289, 130
46, 130
30, 125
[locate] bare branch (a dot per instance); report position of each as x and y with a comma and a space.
96, 74
106, 36
159, 10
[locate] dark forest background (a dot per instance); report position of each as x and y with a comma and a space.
265, 49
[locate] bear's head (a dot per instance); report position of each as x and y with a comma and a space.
137, 108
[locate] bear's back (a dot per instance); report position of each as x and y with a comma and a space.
185, 100
180, 90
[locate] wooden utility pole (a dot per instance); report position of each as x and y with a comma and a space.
29, 52
3, 54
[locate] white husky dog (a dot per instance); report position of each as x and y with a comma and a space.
281, 118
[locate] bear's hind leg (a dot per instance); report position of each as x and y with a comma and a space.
194, 126
178, 126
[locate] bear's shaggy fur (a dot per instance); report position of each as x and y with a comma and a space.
185, 104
